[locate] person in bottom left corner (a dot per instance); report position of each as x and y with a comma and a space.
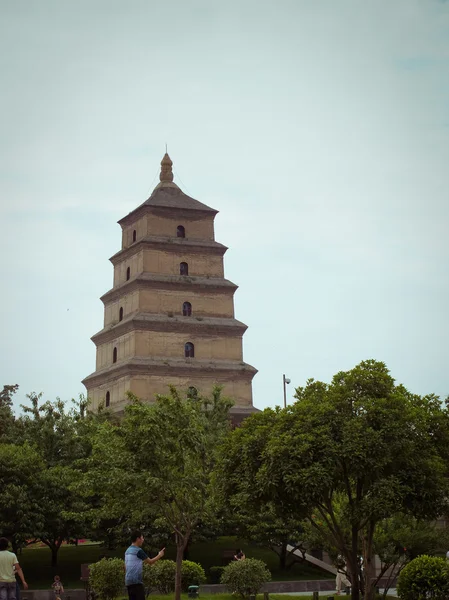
9, 567
134, 559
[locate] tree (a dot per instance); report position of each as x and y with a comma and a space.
240, 491
160, 458
61, 437
402, 538
349, 454
21, 509
6, 412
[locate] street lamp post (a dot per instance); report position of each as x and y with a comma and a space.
285, 382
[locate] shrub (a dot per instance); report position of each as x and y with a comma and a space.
160, 576
245, 577
107, 578
215, 574
424, 577
191, 574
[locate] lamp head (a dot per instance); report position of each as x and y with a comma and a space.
288, 380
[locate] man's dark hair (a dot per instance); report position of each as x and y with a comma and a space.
135, 534
4, 543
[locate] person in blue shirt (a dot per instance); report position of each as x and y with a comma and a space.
134, 559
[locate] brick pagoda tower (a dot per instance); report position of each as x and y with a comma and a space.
169, 318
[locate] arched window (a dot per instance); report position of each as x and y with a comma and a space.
120, 314
180, 231
186, 309
192, 392
114, 355
108, 399
189, 350
128, 273
134, 235
183, 268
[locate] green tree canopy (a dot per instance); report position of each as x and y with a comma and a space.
362, 444
159, 459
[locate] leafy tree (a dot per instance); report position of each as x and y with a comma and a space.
240, 490
21, 509
160, 458
6, 412
62, 437
347, 454
402, 538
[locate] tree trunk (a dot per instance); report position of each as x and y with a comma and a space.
181, 543
185, 555
283, 557
54, 555
368, 563
353, 565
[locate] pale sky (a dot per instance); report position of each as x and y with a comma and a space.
318, 128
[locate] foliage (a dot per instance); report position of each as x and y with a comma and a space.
346, 455
6, 413
245, 577
424, 577
61, 437
165, 452
402, 538
160, 576
254, 516
106, 578
192, 573
21, 508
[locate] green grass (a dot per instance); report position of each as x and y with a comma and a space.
39, 573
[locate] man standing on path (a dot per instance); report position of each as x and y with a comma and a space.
134, 559
9, 566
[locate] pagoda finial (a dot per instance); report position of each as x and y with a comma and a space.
166, 169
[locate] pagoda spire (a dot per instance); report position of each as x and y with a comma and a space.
166, 169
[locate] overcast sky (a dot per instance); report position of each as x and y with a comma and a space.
318, 128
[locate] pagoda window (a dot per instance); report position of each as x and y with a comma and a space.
108, 399
134, 235
186, 309
189, 350
183, 268
180, 231
128, 273
114, 355
120, 314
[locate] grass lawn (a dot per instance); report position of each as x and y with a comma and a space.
39, 573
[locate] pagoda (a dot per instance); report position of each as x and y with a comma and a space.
169, 317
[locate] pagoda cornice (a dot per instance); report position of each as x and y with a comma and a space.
190, 367
177, 324
182, 212
187, 283
169, 244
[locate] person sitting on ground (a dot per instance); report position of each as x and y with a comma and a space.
239, 555
9, 566
57, 586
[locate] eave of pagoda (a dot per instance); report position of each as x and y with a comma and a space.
169, 244
187, 283
166, 366
225, 327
